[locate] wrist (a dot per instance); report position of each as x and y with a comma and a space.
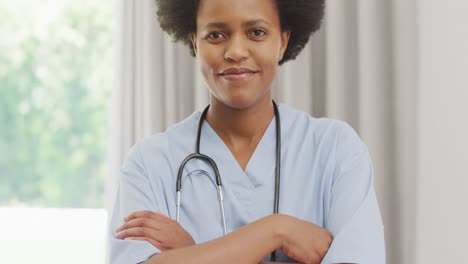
280, 224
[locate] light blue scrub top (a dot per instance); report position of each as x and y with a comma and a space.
326, 179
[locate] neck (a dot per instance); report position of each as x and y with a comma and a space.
233, 125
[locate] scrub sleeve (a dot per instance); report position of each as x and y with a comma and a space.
354, 217
135, 193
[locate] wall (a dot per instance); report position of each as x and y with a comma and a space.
442, 189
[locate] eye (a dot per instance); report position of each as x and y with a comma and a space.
216, 35
257, 33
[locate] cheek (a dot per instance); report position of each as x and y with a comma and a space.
269, 63
209, 59
267, 55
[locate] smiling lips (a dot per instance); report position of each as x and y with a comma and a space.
237, 74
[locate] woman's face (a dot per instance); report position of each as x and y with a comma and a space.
239, 44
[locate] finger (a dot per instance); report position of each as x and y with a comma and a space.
137, 232
153, 242
158, 216
140, 222
145, 214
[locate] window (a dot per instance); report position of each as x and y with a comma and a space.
55, 79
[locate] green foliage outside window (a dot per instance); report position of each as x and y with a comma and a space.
55, 79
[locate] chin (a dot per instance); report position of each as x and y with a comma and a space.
239, 105
240, 102
239, 98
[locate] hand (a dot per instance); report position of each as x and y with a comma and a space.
155, 228
305, 242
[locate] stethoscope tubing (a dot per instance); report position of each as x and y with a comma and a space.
218, 185
198, 155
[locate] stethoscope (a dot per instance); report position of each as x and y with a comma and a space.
198, 155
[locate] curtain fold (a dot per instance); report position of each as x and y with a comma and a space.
360, 68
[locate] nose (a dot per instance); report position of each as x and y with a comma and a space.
236, 49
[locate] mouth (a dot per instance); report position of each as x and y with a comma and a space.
238, 74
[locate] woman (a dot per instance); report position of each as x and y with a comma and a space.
327, 206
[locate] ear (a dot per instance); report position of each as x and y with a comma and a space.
285, 35
193, 38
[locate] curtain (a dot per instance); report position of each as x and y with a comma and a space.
360, 68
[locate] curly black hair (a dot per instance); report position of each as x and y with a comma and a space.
301, 17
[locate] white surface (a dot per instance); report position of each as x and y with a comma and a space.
52, 236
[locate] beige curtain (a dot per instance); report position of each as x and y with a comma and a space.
362, 67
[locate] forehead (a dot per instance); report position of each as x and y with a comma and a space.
236, 11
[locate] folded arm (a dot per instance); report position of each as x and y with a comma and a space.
249, 244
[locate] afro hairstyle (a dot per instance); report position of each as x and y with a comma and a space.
300, 17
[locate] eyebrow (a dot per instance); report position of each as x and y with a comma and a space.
245, 24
